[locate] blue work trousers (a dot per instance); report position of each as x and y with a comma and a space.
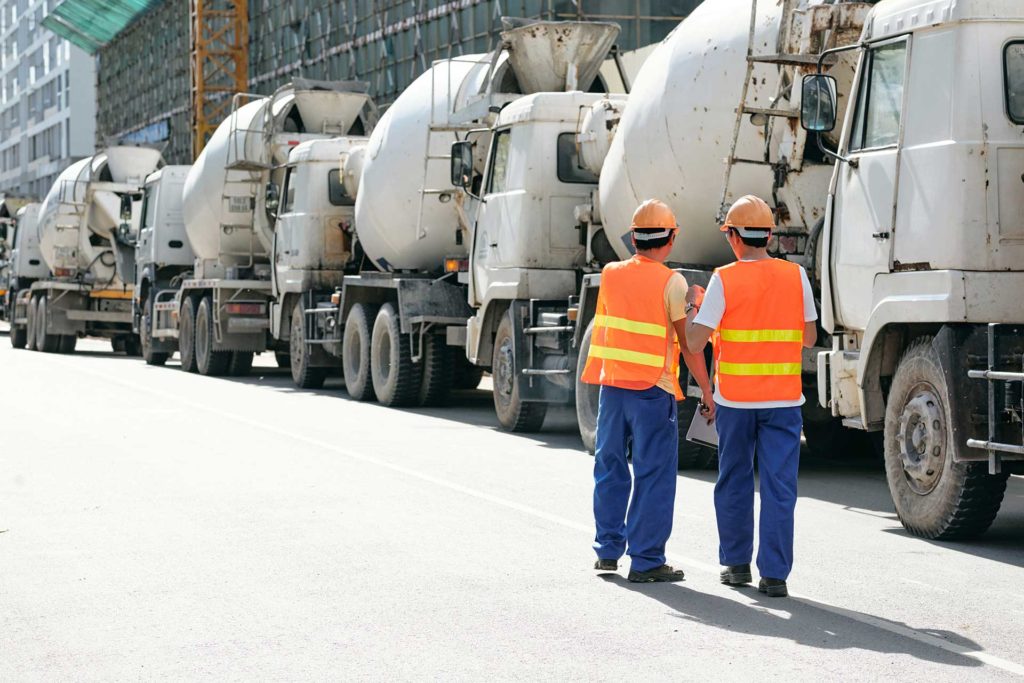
645, 422
774, 434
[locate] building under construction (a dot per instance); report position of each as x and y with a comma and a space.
145, 89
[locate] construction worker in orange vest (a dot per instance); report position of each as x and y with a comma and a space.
634, 356
759, 313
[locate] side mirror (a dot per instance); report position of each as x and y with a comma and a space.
462, 164
818, 103
273, 197
126, 208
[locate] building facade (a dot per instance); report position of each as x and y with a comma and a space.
47, 101
143, 78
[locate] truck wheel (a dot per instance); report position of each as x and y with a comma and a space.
396, 380
146, 335
692, 456
67, 343
19, 336
132, 346
240, 363
304, 374
355, 352
187, 335
513, 414
466, 376
934, 497
587, 396
30, 323
208, 362
439, 362
47, 343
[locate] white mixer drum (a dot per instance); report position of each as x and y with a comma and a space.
677, 129
396, 232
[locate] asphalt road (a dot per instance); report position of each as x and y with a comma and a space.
160, 525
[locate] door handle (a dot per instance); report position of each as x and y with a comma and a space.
881, 235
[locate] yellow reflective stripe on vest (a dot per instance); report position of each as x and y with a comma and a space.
638, 357
748, 369
627, 325
762, 335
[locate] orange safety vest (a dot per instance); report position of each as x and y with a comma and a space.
759, 342
633, 342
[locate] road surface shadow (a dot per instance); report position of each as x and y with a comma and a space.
801, 621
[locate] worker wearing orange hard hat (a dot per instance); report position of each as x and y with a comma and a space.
634, 356
759, 312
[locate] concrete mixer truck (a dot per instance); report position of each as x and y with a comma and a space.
25, 266
86, 227
268, 217
923, 254
9, 207
397, 324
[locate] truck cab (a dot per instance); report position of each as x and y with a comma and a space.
527, 250
924, 241
162, 254
24, 266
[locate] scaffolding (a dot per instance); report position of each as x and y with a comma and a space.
386, 43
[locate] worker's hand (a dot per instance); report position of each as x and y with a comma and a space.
707, 405
695, 295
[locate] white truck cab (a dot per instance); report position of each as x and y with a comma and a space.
924, 241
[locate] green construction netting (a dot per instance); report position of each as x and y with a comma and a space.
91, 24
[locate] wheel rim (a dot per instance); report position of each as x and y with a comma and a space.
201, 337
295, 345
353, 355
502, 371
921, 439
41, 324
384, 355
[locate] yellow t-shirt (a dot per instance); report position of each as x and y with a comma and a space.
675, 308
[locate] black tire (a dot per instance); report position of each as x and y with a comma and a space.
19, 336
304, 374
439, 362
396, 380
187, 335
513, 414
692, 456
355, 352
67, 343
146, 335
466, 376
30, 324
208, 362
935, 497
587, 396
47, 343
132, 346
240, 363
282, 359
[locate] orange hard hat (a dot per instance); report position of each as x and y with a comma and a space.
653, 215
750, 216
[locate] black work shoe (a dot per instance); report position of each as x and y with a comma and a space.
606, 565
664, 573
773, 588
736, 575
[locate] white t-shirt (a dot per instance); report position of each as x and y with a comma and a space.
710, 315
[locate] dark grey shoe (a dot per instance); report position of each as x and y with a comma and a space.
736, 575
773, 588
663, 574
606, 565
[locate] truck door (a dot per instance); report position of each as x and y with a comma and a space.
490, 215
864, 207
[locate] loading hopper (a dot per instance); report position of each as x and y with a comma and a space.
553, 56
